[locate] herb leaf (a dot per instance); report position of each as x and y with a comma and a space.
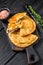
36, 16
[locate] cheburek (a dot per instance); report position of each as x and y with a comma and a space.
22, 42
16, 17
28, 26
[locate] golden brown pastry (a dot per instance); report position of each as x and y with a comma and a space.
16, 17
22, 42
28, 26
12, 27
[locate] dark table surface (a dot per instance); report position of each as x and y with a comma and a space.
7, 55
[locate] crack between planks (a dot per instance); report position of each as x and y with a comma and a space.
10, 59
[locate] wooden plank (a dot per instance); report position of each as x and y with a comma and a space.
5, 50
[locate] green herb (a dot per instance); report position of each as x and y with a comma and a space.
36, 16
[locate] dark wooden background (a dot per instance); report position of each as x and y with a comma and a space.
7, 55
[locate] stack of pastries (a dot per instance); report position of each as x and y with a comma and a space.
20, 30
